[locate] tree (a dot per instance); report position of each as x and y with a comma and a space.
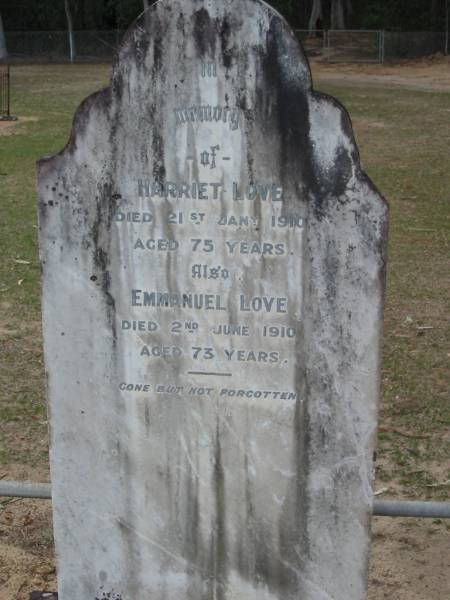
3, 52
316, 15
447, 17
340, 9
70, 31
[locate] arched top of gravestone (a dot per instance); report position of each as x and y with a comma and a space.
262, 81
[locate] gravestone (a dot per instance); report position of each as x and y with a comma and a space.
213, 271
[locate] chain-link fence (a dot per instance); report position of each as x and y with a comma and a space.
371, 46
53, 46
313, 41
414, 44
332, 46
365, 46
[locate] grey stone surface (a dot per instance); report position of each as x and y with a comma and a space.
213, 271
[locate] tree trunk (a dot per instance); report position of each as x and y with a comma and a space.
3, 52
72, 48
146, 4
302, 13
88, 13
349, 8
316, 14
337, 14
434, 13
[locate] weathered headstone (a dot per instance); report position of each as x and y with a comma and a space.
213, 262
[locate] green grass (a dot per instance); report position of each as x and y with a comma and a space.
403, 140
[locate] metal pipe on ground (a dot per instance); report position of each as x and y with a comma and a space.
20, 489
381, 508
408, 508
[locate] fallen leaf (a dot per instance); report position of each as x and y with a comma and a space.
8, 517
28, 520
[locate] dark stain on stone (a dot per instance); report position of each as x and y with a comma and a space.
147, 420
291, 113
331, 268
219, 550
154, 113
204, 32
100, 233
159, 169
158, 41
224, 35
127, 524
245, 554
192, 517
181, 24
142, 46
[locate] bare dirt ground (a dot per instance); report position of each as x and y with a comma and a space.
26, 542
7, 127
410, 558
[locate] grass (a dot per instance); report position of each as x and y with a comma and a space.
403, 140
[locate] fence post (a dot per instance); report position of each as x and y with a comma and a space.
325, 44
8, 91
70, 31
4, 92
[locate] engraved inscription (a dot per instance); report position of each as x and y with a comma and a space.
206, 113
221, 232
209, 69
209, 158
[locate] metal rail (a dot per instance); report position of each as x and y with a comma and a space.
408, 508
20, 489
381, 508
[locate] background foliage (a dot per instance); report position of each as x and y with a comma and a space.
393, 15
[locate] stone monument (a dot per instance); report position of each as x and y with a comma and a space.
213, 271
